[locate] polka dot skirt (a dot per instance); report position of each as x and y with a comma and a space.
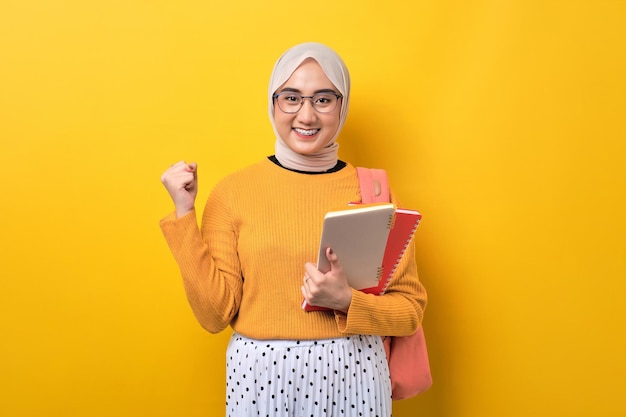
333, 377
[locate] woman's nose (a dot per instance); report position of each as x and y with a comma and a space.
307, 113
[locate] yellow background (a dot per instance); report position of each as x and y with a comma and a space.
502, 121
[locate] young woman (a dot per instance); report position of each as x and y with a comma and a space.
249, 264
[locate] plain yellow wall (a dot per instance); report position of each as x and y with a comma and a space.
502, 121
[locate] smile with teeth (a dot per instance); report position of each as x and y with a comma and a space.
306, 132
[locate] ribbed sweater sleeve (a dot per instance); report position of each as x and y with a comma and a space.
213, 292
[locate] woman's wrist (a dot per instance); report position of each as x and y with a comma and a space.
183, 211
346, 302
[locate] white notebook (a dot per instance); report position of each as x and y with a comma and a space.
358, 235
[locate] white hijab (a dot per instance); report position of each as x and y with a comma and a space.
337, 72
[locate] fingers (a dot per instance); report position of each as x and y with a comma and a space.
313, 277
306, 292
333, 259
310, 280
180, 181
183, 166
310, 271
180, 172
329, 289
193, 168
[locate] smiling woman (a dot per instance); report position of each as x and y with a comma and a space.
502, 121
308, 69
281, 360
307, 126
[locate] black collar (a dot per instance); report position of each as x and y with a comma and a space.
340, 165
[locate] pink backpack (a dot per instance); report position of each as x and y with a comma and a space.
407, 355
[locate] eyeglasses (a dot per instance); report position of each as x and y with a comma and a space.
290, 102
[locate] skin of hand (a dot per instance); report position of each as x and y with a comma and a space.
331, 289
181, 182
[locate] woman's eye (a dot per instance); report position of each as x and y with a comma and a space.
324, 99
291, 99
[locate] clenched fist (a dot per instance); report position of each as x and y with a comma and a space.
181, 182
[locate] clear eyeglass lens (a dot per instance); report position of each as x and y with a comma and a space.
322, 102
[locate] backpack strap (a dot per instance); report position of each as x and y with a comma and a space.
374, 185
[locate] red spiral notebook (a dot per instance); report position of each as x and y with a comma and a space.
403, 227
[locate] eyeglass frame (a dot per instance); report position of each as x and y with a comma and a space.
332, 93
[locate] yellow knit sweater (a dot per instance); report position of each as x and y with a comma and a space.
244, 266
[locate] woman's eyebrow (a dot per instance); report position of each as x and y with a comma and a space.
295, 90
326, 90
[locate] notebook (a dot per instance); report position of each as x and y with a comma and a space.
404, 225
358, 235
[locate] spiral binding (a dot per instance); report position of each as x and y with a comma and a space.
367, 178
399, 258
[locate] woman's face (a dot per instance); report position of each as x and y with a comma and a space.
307, 131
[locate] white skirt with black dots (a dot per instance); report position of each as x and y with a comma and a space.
306, 378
